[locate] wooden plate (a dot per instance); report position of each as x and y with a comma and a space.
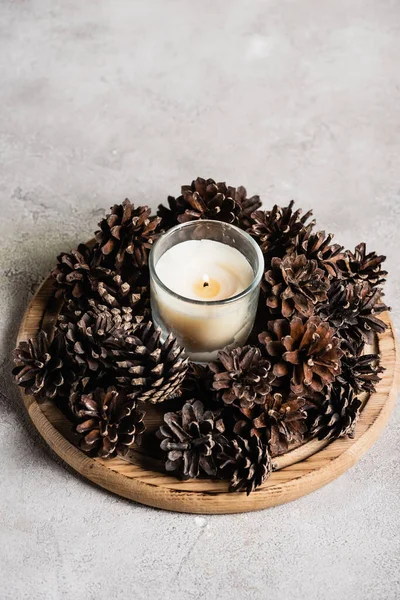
140, 478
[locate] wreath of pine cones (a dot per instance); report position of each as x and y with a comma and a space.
301, 375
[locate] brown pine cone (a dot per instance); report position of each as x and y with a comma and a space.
242, 376
189, 439
338, 414
126, 236
359, 267
317, 246
278, 423
203, 199
247, 207
361, 372
276, 230
294, 284
42, 366
114, 292
76, 272
109, 423
87, 384
152, 371
206, 199
97, 338
246, 461
353, 310
309, 354
80, 278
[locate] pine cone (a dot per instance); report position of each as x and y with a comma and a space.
242, 376
42, 367
86, 385
189, 437
361, 372
278, 423
76, 271
309, 354
359, 267
317, 246
126, 236
109, 423
112, 291
246, 461
203, 199
247, 207
152, 371
272, 339
352, 309
338, 414
276, 230
96, 338
294, 284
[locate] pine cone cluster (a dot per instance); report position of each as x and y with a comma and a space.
106, 355
319, 306
194, 443
301, 373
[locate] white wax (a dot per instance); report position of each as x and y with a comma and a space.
187, 263
204, 328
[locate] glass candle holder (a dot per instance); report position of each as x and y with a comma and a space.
205, 282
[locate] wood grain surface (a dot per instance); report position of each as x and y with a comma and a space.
140, 477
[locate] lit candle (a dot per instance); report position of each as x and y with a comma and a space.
203, 290
204, 270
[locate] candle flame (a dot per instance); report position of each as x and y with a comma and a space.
206, 280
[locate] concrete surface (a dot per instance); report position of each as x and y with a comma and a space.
100, 100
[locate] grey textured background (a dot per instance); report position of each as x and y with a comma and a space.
100, 100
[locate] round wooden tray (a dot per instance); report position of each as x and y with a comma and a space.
140, 477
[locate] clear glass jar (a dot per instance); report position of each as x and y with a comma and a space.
205, 326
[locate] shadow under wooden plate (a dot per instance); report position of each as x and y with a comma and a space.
299, 472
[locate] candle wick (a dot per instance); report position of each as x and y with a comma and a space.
205, 284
